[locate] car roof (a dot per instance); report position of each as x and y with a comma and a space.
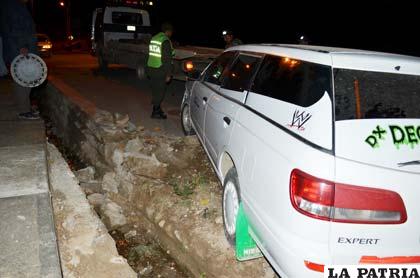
126, 9
340, 57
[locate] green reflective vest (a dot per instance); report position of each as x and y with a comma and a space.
155, 50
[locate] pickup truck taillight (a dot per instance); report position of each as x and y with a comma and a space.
336, 202
188, 66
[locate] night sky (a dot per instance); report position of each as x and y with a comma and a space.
391, 26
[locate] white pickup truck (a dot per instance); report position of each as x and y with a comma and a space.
121, 35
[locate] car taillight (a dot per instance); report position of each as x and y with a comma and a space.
314, 266
331, 201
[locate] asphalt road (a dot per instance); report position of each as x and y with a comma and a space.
118, 90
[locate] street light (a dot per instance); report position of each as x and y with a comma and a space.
66, 4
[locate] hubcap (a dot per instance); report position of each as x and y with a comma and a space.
231, 206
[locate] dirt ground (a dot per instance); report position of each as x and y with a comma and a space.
190, 178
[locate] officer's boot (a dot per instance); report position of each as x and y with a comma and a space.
162, 114
155, 112
158, 113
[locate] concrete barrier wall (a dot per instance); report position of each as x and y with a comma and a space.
86, 248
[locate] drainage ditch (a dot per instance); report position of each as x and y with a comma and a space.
157, 195
138, 246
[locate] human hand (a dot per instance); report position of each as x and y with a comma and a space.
168, 78
24, 51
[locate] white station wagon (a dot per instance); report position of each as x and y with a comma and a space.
322, 147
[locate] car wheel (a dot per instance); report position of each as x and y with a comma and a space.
186, 121
230, 204
103, 64
141, 73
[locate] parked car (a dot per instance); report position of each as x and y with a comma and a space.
322, 147
44, 45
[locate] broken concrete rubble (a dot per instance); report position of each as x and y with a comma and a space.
109, 183
121, 120
126, 189
86, 248
86, 175
91, 187
144, 165
134, 145
96, 200
112, 215
130, 234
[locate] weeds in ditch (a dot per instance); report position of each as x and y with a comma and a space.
185, 186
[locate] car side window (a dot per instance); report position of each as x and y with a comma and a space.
214, 72
294, 81
238, 77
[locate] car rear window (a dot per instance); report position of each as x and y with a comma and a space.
369, 95
293, 81
127, 18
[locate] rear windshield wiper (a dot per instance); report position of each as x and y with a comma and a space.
414, 162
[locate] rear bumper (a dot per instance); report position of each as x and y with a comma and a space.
288, 253
289, 263
390, 260
44, 51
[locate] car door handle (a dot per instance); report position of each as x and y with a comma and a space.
196, 102
226, 120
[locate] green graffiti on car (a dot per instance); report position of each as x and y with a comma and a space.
377, 134
407, 135
401, 135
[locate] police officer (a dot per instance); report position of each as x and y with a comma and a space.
159, 67
230, 39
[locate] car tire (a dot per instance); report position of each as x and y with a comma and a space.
230, 204
186, 123
102, 62
141, 72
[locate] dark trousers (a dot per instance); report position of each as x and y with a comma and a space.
158, 83
21, 95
